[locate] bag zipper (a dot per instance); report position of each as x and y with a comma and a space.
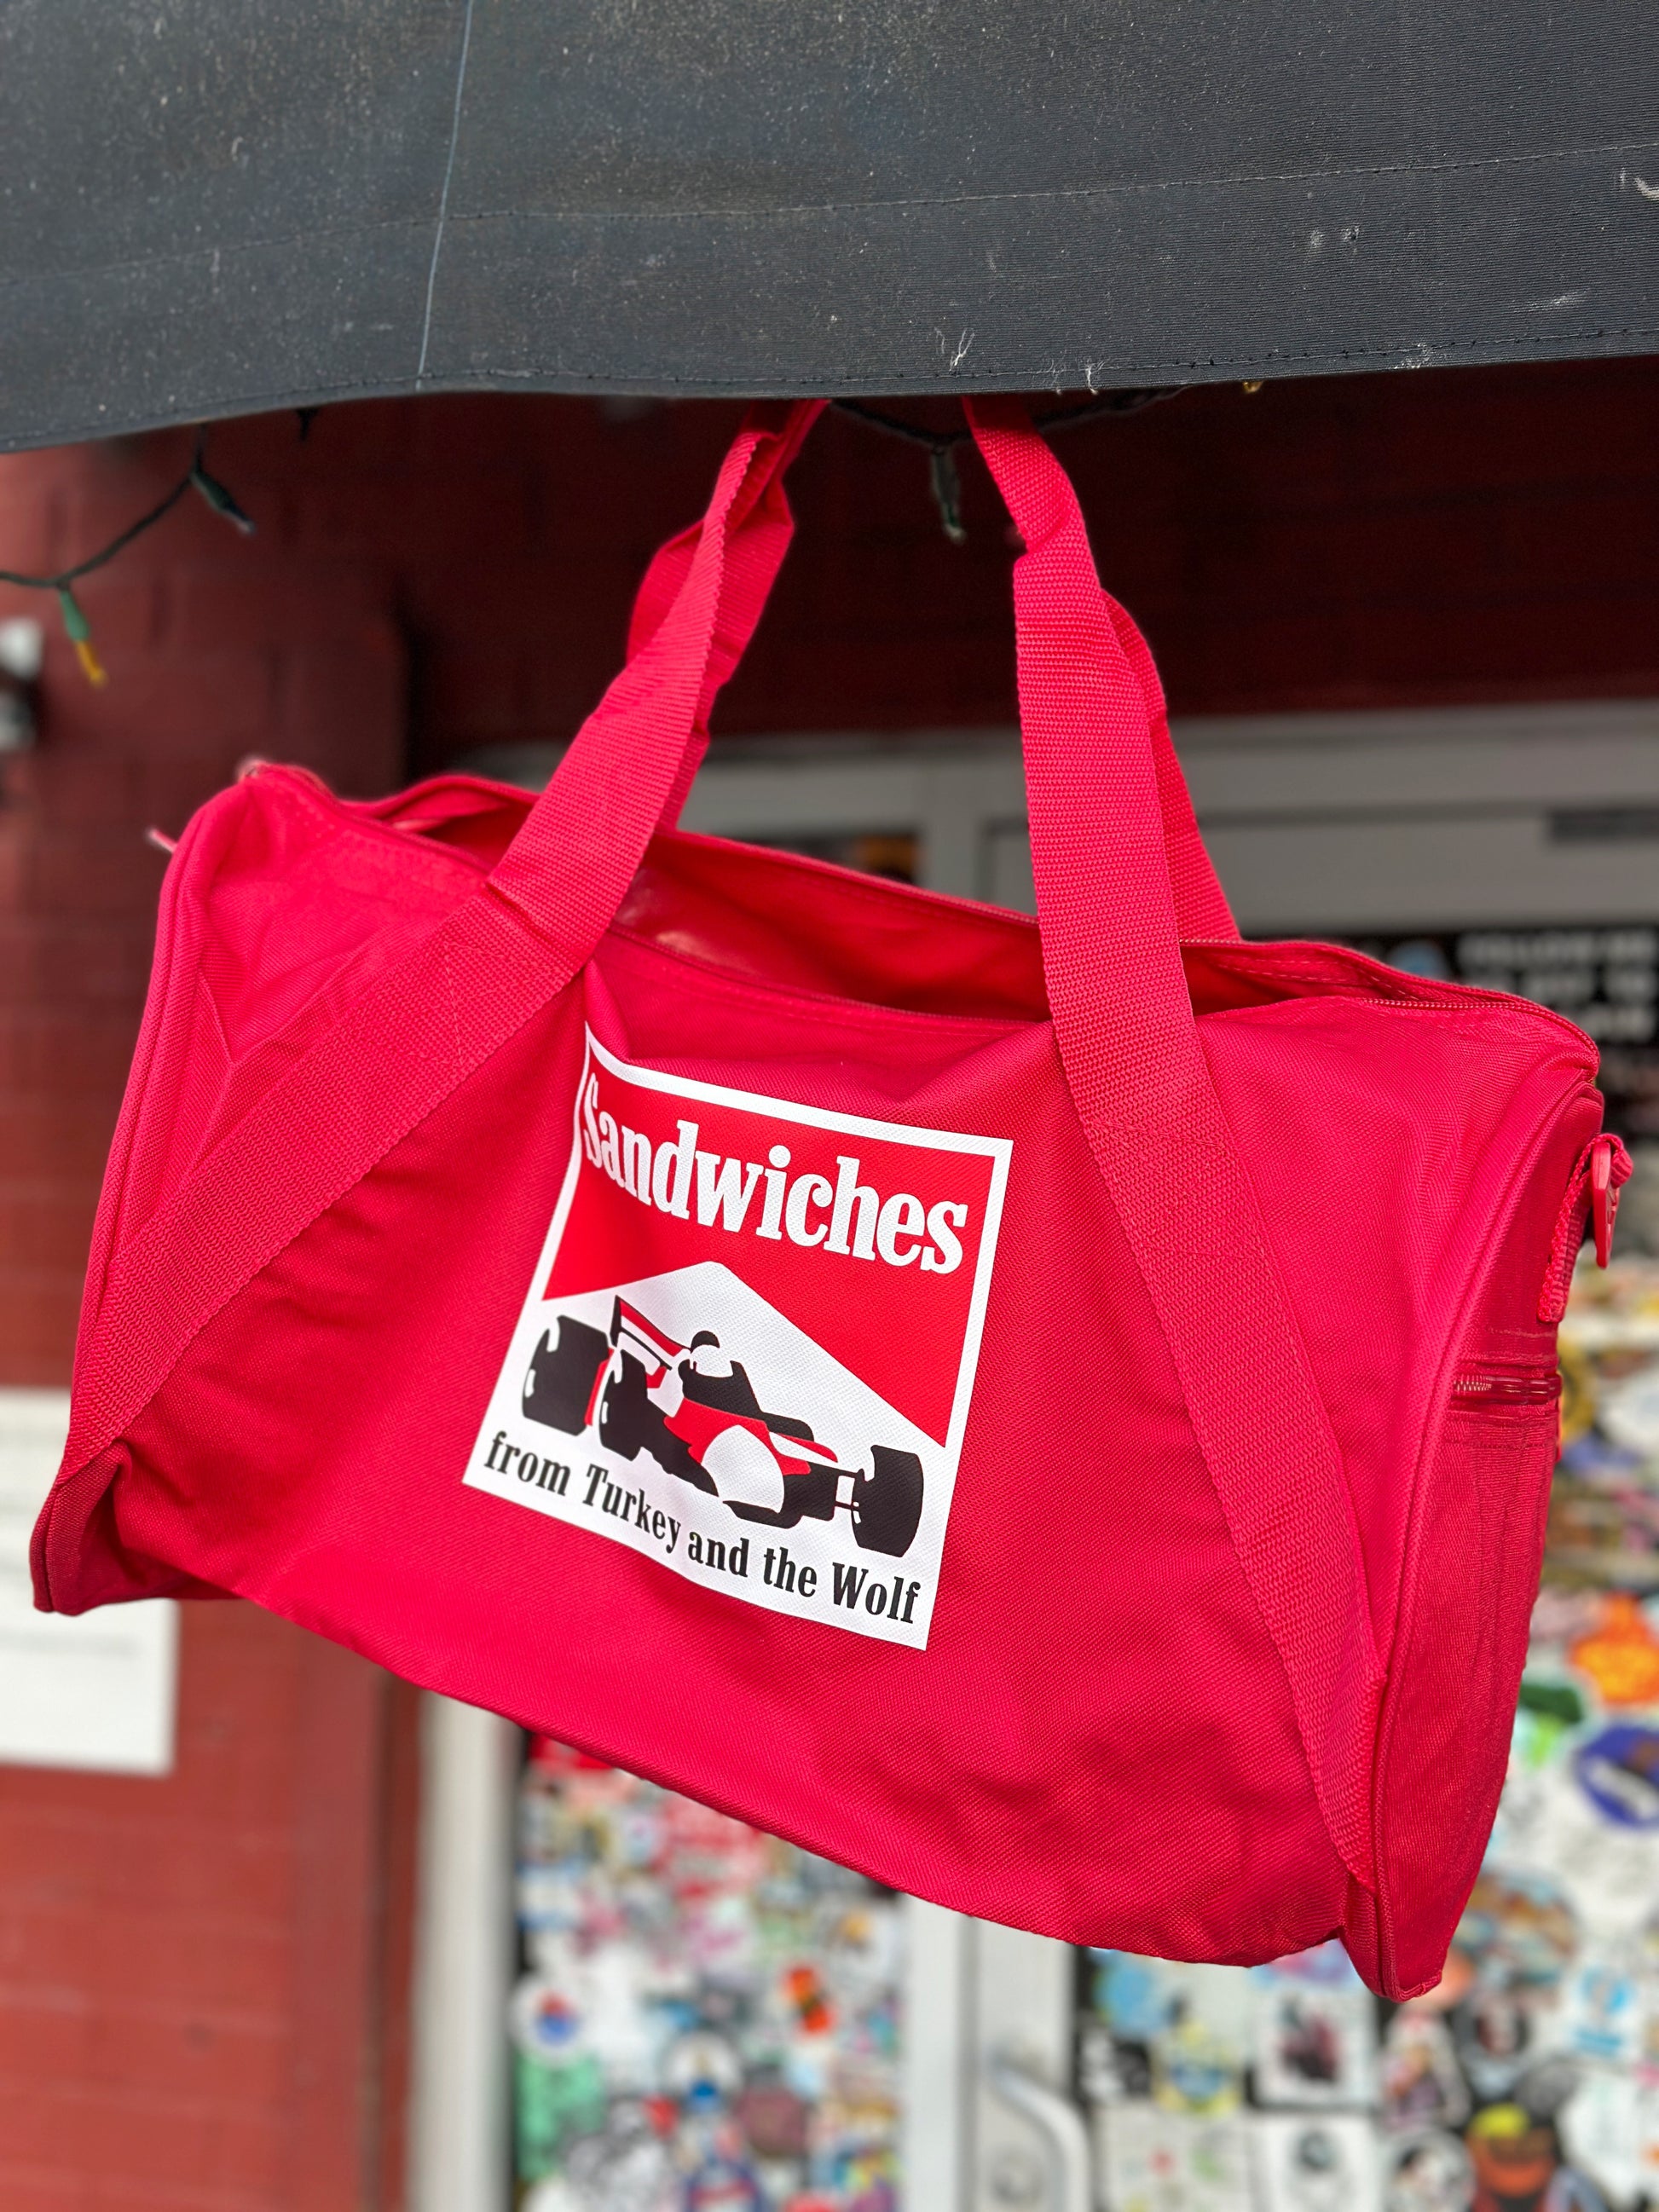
1495, 1386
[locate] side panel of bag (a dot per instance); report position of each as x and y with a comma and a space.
1475, 1549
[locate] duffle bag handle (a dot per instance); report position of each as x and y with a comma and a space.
726, 575
1202, 913
578, 848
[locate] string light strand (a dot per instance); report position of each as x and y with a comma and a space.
76, 628
940, 445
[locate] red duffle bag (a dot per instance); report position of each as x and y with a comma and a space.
1057, 1415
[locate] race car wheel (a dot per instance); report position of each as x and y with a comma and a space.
627, 1416
887, 1504
560, 1379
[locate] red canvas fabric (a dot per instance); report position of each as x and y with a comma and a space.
1055, 1415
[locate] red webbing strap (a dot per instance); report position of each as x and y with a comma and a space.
754, 554
1124, 1024
579, 845
741, 603
1202, 913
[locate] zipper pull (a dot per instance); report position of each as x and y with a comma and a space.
1604, 1192
1604, 1166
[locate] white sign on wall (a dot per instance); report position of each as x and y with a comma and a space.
98, 1692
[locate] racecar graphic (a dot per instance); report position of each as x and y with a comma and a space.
694, 1410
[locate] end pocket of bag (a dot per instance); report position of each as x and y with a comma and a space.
1478, 1552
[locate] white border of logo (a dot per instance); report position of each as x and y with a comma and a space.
997, 1150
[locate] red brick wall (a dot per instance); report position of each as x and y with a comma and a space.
1351, 542
201, 1978
198, 1977
194, 1972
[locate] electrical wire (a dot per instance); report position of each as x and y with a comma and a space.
940, 446
63, 582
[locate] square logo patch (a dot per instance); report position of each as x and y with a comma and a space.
749, 1345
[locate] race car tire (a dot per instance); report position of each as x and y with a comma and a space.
887, 1504
559, 1381
628, 1419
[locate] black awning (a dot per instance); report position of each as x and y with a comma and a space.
213, 207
